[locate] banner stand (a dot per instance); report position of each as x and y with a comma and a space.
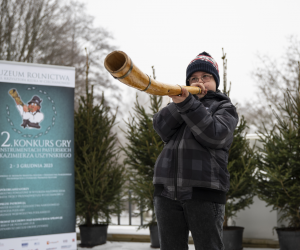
37, 195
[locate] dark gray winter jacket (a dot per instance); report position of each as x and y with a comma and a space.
197, 135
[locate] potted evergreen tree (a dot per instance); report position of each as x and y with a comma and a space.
143, 147
98, 176
279, 168
241, 167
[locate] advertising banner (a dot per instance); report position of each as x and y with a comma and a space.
37, 194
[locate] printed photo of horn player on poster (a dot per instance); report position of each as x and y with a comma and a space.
31, 114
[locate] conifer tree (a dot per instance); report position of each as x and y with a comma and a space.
241, 165
143, 147
279, 162
98, 176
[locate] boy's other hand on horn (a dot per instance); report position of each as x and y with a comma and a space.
202, 87
180, 98
185, 93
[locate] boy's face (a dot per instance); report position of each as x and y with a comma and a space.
210, 85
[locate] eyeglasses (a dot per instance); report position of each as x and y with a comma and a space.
204, 78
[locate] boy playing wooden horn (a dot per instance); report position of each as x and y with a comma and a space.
190, 176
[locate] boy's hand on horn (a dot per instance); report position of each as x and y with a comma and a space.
202, 87
180, 98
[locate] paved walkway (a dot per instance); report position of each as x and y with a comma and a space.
142, 246
117, 245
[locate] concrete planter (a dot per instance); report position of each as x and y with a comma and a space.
289, 238
154, 236
233, 238
93, 236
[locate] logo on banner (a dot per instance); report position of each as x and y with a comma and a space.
31, 113
51, 242
24, 244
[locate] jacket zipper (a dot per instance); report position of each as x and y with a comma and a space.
176, 158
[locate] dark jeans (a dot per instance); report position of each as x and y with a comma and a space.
176, 218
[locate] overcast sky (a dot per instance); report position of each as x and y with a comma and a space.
169, 34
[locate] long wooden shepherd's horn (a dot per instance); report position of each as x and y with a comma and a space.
121, 67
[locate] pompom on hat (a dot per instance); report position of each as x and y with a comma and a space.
203, 62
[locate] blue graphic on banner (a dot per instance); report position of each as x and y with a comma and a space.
36, 160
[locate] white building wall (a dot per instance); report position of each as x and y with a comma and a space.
258, 221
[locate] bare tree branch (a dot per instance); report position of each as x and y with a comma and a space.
49, 32
273, 78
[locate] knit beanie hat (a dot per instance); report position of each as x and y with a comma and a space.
203, 62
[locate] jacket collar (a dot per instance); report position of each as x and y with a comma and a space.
215, 95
